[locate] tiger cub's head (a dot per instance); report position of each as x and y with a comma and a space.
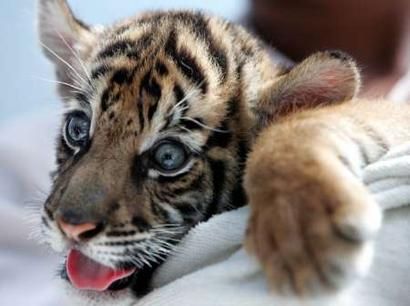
159, 111
152, 139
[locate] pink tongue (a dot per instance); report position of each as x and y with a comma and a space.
84, 273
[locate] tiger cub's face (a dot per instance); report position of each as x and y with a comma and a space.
152, 140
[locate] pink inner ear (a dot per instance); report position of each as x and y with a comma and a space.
319, 84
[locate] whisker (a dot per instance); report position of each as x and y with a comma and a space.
204, 125
63, 61
187, 96
76, 55
185, 129
80, 90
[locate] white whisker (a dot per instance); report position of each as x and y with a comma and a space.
76, 55
79, 90
187, 96
204, 125
63, 61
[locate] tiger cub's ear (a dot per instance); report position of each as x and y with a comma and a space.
321, 79
65, 41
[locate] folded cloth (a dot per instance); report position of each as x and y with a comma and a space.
210, 266
388, 179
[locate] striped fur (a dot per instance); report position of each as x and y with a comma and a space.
181, 76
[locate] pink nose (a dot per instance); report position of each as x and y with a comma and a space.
74, 232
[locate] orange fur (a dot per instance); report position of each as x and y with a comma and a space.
312, 217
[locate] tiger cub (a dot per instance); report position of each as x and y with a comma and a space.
161, 112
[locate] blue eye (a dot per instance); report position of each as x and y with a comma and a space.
170, 156
77, 129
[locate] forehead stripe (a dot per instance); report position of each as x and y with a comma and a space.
127, 47
161, 69
186, 63
100, 71
119, 47
200, 27
150, 85
152, 110
122, 76
107, 99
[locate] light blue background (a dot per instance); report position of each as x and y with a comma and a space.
22, 65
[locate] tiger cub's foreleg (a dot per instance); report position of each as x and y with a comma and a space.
312, 219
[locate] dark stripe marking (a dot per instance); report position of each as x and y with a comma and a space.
194, 185
121, 233
140, 223
186, 63
188, 211
142, 43
161, 212
122, 76
218, 183
105, 99
220, 139
179, 93
152, 110
119, 47
200, 26
131, 49
191, 125
161, 69
150, 85
179, 96
140, 107
82, 97
100, 72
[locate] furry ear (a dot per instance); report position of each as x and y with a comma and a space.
65, 41
321, 79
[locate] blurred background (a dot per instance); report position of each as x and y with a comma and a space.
23, 66
375, 32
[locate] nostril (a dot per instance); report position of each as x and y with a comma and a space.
73, 217
80, 231
92, 232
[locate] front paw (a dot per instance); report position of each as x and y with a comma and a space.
310, 233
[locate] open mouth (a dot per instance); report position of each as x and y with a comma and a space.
87, 274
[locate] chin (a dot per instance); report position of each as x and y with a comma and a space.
76, 297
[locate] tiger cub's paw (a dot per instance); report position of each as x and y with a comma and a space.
311, 236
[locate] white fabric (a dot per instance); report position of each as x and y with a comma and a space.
27, 270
